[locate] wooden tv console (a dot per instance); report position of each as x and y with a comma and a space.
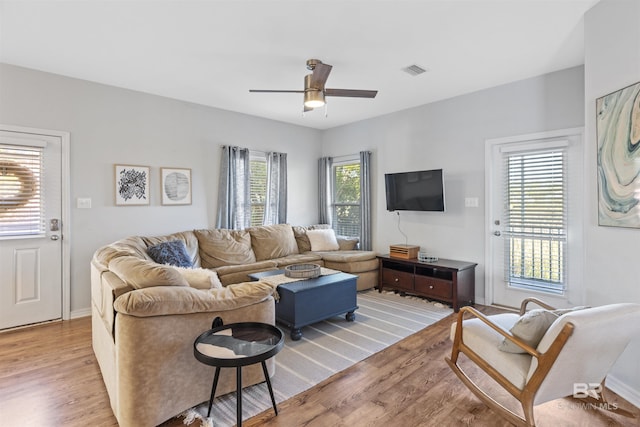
443, 280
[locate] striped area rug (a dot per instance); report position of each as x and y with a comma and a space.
326, 348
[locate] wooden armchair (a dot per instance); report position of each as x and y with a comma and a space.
578, 348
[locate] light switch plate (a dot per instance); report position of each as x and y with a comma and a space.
83, 203
471, 202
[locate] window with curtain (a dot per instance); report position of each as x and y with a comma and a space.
346, 198
536, 202
252, 188
21, 199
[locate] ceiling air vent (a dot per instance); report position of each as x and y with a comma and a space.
414, 70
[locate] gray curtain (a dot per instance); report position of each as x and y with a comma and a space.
276, 200
324, 190
365, 201
234, 204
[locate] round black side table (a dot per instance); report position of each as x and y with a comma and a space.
237, 345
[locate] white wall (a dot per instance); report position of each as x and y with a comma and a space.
111, 126
612, 61
451, 135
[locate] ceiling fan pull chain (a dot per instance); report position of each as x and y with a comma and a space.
325, 109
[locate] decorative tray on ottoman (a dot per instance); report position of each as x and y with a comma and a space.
302, 271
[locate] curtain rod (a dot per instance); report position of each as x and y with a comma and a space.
251, 150
346, 156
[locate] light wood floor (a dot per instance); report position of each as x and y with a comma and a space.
49, 377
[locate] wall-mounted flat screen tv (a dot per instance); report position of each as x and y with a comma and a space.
415, 191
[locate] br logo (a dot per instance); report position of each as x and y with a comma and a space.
584, 390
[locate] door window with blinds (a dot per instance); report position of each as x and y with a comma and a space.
535, 219
346, 198
21, 199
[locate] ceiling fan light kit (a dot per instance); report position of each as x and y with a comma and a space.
313, 98
314, 90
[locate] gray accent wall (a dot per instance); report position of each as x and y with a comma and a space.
451, 135
109, 125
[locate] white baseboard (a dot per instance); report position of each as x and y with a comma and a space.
623, 390
84, 312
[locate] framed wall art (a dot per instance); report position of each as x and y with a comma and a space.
175, 186
132, 185
618, 160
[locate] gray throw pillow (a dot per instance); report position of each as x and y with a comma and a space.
530, 328
173, 252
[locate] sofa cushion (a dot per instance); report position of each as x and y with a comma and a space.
273, 241
323, 240
131, 246
141, 273
161, 301
309, 257
200, 278
347, 256
220, 247
173, 252
300, 234
354, 267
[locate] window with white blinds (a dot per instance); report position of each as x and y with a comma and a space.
257, 189
536, 219
346, 198
21, 198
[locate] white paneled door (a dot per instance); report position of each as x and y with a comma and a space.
30, 228
534, 243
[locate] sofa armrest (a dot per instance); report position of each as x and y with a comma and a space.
167, 300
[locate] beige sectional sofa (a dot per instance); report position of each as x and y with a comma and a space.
145, 315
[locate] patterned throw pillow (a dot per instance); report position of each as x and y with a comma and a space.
173, 252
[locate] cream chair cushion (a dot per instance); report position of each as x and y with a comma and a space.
484, 341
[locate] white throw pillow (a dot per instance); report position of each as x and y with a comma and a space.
323, 240
200, 278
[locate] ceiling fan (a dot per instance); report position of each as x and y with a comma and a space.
314, 90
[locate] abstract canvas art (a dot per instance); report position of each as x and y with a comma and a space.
132, 185
176, 186
618, 161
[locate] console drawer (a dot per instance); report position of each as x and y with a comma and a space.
397, 279
436, 288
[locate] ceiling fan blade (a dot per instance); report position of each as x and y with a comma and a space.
274, 91
320, 75
352, 93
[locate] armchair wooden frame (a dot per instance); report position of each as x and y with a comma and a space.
525, 396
